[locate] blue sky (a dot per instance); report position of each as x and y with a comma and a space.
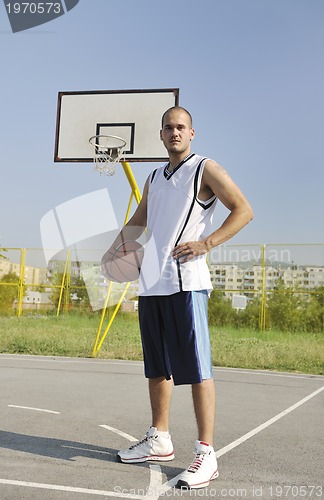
250, 71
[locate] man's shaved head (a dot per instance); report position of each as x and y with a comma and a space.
177, 108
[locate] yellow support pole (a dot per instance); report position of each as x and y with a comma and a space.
96, 342
66, 272
112, 318
21, 280
132, 181
129, 207
100, 337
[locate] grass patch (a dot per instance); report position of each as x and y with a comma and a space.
69, 335
73, 335
270, 350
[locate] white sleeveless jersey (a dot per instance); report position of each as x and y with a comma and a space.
176, 215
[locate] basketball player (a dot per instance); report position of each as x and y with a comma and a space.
177, 207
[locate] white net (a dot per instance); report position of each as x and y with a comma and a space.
108, 152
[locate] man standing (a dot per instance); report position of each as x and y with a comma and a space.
177, 207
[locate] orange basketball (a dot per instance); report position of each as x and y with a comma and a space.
123, 264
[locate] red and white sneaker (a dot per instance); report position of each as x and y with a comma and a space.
202, 469
152, 447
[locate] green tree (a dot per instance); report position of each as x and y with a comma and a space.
249, 317
41, 288
286, 308
56, 283
8, 292
220, 309
78, 292
314, 313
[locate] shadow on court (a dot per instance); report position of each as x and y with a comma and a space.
66, 450
54, 448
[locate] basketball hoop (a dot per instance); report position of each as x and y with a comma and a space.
108, 151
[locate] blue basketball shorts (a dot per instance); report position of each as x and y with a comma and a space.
175, 336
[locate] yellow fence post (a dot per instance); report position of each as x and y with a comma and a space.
67, 283
21, 280
262, 318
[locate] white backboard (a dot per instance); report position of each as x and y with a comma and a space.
133, 115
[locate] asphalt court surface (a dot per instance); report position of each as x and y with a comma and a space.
63, 421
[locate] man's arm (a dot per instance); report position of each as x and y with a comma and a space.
134, 227
139, 218
216, 181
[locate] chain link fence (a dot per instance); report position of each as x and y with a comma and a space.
266, 281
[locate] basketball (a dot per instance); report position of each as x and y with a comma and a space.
123, 264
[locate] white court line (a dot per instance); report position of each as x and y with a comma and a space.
266, 424
35, 409
156, 474
114, 494
155, 480
80, 448
167, 486
267, 373
66, 359
153, 491
162, 489
98, 362
155, 470
120, 433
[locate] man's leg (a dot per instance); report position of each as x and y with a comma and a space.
160, 391
204, 466
157, 444
204, 400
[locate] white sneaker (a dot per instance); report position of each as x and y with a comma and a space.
152, 447
202, 469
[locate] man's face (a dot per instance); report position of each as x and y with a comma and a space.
177, 132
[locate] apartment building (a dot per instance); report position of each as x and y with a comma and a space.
249, 279
32, 275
